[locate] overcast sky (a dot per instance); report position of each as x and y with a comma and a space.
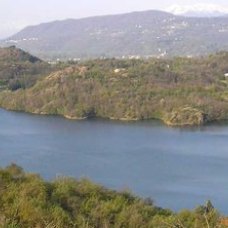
16, 14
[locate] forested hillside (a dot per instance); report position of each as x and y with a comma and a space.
19, 69
179, 91
29, 201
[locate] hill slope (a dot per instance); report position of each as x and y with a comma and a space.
29, 201
19, 69
149, 33
180, 91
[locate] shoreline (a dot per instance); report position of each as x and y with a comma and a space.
123, 120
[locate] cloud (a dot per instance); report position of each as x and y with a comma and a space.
201, 8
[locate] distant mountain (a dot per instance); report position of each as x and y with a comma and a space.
198, 10
132, 35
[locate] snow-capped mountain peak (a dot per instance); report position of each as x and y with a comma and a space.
198, 10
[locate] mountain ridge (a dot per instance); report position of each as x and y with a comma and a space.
133, 35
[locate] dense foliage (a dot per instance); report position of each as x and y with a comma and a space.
29, 201
179, 91
19, 69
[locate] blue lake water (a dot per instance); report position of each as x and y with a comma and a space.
177, 168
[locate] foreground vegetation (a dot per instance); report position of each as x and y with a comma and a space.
179, 91
29, 201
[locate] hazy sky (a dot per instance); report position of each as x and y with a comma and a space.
16, 14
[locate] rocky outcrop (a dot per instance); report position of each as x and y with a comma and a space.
186, 116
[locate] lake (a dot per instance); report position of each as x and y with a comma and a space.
177, 168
